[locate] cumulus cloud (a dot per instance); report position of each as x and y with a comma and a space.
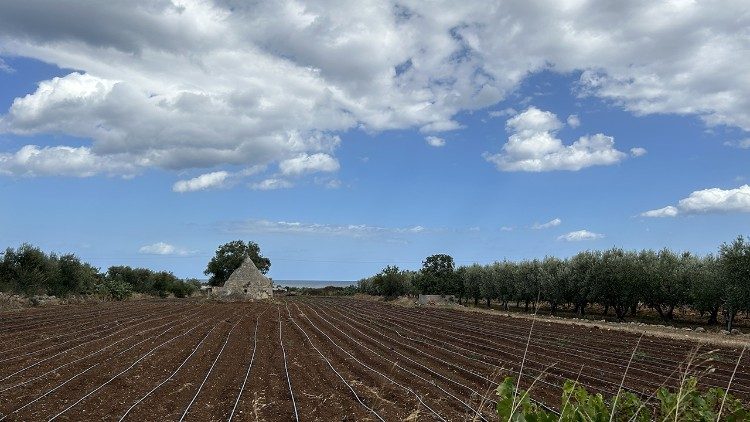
707, 201
638, 151
32, 160
552, 223
668, 211
573, 121
580, 235
202, 182
434, 141
201, 84
271, 184
161, 248
295, 227
534, 147
304, 164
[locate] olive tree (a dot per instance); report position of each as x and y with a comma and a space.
554, 278
230, 256
707, 288
735, 264
472, 280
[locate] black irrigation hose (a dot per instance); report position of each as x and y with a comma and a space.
54, 370
249, 366
286, 369
470, 329
539, 403
88, 369
132, 365
218, 355
356, 396
465, 387
391, 380
169, 378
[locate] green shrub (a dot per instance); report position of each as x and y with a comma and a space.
115, 289
579, 405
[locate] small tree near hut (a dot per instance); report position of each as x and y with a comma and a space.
229, 257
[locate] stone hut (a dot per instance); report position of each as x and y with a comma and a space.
246, 281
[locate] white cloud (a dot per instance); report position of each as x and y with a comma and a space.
161, 248
201, 84
552, 223
742, 144
434, 141
707, 201
668, 211
202, 182
271, 184
355, 230
506, 112
32, 160
533, 147
304, 164
638, 151
580, 235
506, 229
574, 121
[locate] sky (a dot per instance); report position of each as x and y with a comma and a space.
345, 137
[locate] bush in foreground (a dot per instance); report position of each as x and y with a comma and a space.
686, 404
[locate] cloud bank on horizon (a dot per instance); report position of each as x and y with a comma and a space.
208, 85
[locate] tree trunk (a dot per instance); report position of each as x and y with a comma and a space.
730, 319
476, 301
488, 302
606, 309
670, 312
713, 318
621, 311
661, 312
526, 307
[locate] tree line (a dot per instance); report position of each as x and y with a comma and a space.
616, 280
30, 271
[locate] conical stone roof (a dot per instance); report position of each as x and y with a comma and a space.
248, 280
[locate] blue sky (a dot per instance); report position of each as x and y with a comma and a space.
126, 147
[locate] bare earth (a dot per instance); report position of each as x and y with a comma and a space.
342, 359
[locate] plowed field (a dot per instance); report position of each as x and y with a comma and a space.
315, 359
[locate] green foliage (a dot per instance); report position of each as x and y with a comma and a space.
324, 291
578, 405
472, 279
230, 256
734, 259
614, 279
115, 289
155, 283
30, 271
391, 282
438, 276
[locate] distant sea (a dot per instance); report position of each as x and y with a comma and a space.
313, 283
